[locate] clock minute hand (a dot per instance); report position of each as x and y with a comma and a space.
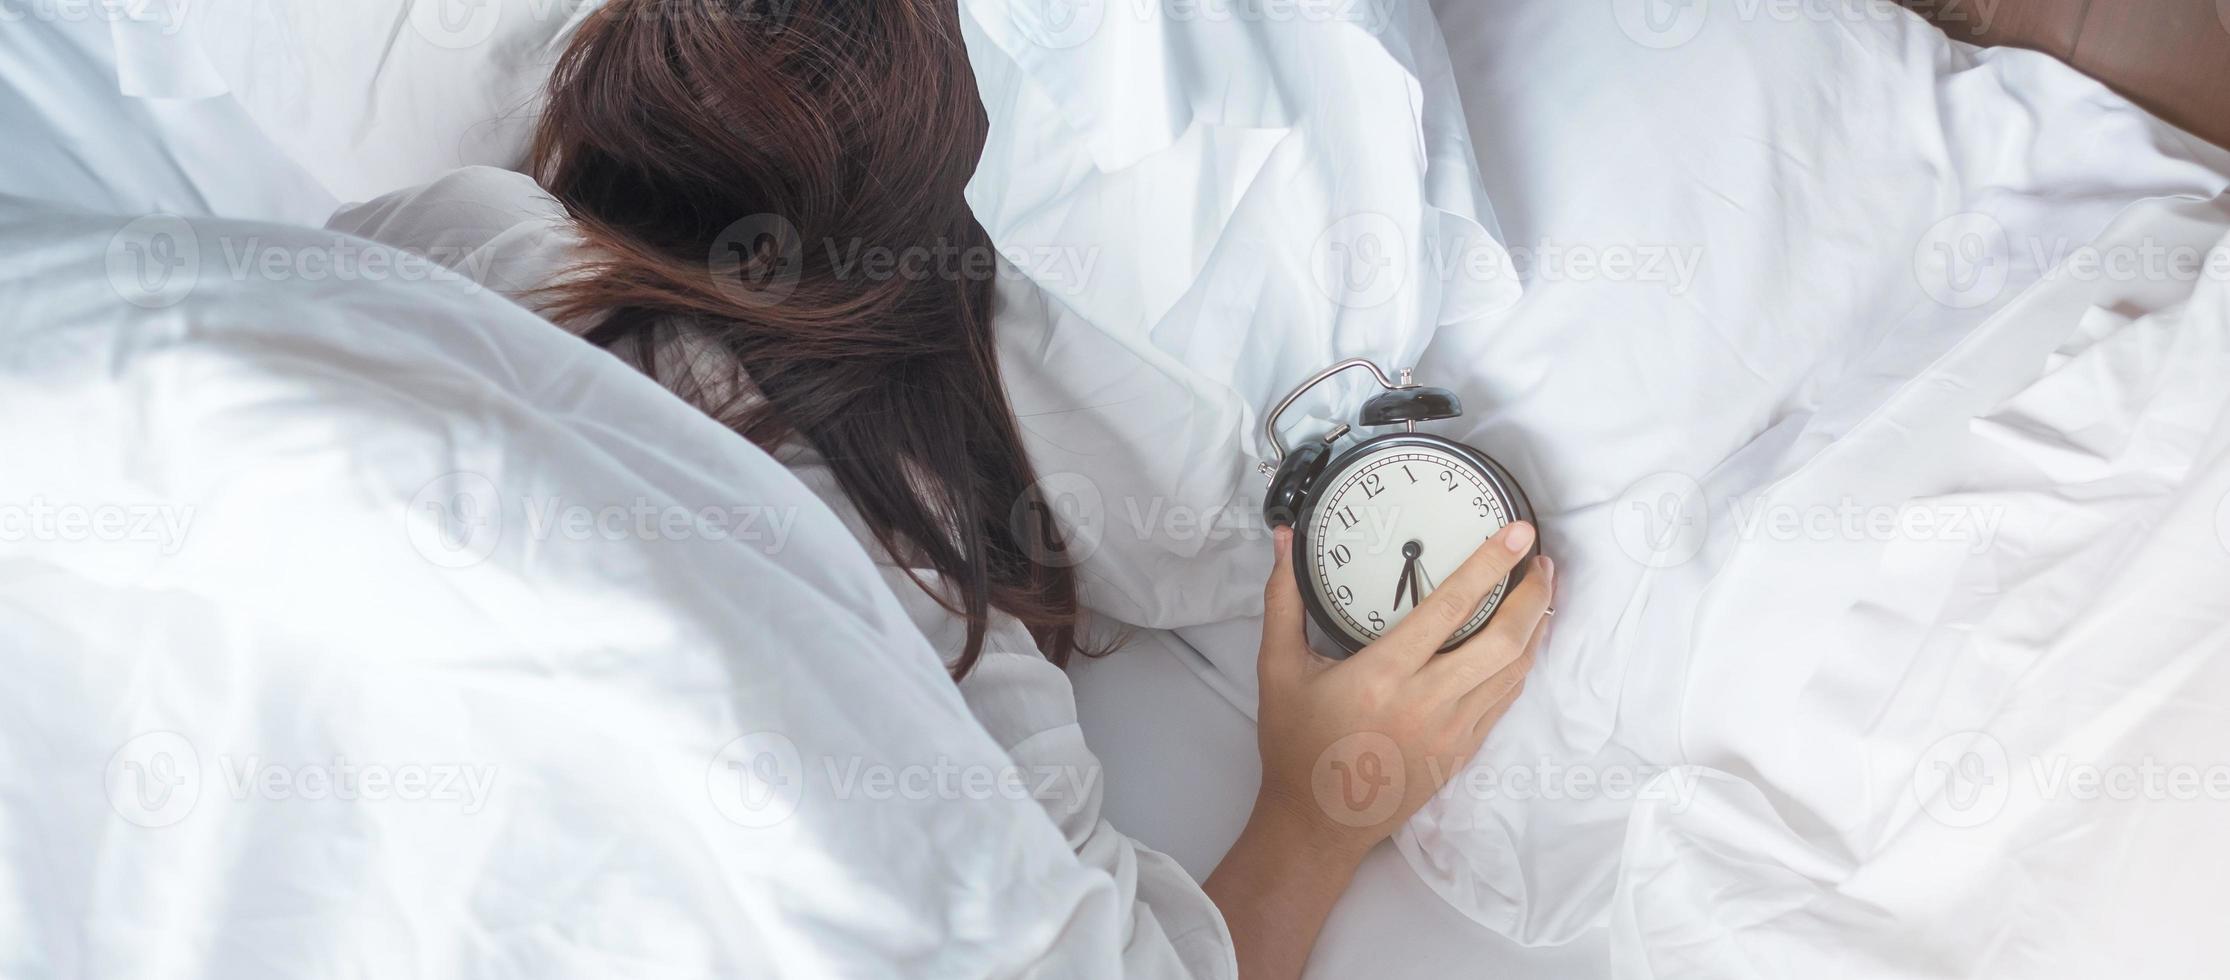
1402, 584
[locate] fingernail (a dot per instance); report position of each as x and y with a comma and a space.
1548, 568
1283, 536
1518, 537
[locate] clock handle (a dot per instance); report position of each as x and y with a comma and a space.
1270, 423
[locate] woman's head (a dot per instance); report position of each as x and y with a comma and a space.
783, 180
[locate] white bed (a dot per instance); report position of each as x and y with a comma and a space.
1844, 230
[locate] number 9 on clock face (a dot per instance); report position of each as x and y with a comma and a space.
1388, 523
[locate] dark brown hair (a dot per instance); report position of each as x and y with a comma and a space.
728, 163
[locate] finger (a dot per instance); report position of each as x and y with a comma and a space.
1505, 637
1495, 712
1426, 629
1505, 684
1283, 634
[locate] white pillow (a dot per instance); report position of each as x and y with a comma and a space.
104, 116
376, 95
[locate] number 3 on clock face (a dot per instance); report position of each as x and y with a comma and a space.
1387, 524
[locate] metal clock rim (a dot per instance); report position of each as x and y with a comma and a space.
1521, 509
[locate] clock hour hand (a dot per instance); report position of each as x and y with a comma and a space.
1409, 582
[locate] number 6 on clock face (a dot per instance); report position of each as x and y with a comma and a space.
1388, 523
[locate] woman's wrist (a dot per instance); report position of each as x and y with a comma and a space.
1279, 882
1297, 826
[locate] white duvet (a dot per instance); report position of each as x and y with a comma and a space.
1983, 736
370, 625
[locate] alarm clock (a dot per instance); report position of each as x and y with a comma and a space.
1378, 525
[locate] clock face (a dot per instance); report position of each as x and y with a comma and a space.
1388, 523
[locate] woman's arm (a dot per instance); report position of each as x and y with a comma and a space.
1351, 748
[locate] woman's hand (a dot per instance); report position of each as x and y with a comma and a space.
1350, 749
1357, 745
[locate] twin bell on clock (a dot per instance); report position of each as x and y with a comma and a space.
1379, 524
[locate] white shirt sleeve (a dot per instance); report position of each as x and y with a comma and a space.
501, 230
1027, 705
1172, 928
